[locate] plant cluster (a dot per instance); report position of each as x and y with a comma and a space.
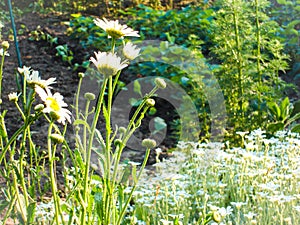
94, 192
205, 183
251, 57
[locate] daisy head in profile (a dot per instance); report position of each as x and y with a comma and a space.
114, 29
54, 105
130, 51
107, 63
33, 78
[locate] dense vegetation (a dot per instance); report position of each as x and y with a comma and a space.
231, 70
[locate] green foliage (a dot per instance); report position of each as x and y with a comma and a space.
84, 29
38, 34
184, 67
183, 27
65, 53
282, 115
245, 42
287, 14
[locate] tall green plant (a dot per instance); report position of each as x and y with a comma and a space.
251, 58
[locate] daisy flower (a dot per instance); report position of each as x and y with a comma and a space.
114, 29
130, 51
108, 64
3, 53
13, 97
32, 77
54, 104
25, 71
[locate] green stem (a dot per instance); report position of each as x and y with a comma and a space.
258, 57
139, 109
1, 71
133, 188
89, 150
108, 151
239, 61
51, 156
21, 169
77, 98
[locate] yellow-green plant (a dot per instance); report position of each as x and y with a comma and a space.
251, 58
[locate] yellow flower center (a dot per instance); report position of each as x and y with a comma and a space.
53, 104
114, 33
107, 70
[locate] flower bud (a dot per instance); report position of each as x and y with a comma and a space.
5, 45
216, 216
160, 83
150, 102
118, 142
54, 116
94, 166
39, 107
89, 96
148, 143
57, 138
81, 75
13, 97
122, 130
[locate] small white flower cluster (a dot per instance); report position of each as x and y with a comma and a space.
251, 185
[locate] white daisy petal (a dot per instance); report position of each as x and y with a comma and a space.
114, 29
54, 103
130, 51
108, 64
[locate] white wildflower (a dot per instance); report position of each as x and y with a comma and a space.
114, 29
108, 64
54, 104
130, 51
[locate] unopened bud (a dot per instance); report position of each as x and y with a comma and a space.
150, 102
216, 216
81, 75
148, 143
160, 83
89, 96
57, 138
39, 107
122, 130
118, 142
54, 116
5, 45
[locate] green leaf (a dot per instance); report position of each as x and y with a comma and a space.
273, 127
282, 2
137, 88
296, 108
30, 213
285, 109
134, 102
293, 119
274, 110
76, 15
296, 128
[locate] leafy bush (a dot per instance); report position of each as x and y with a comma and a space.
185, 27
